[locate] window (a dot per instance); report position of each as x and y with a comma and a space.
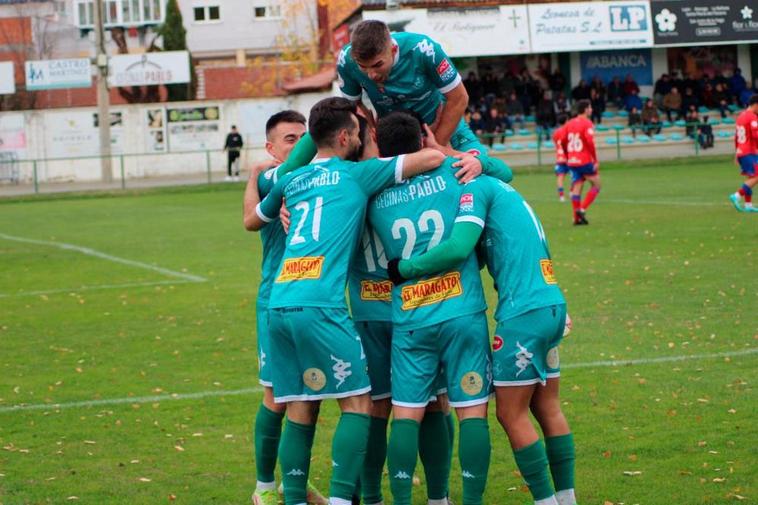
207, 13
121, 12
266, 9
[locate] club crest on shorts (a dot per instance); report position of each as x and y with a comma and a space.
472, 383
497, 343
314, 379
552, 358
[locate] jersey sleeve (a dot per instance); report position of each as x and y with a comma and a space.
474, 202
268, 209
301, 155
347, 83
266, 181
589, 142
495, 167
438, 65
446, 255
376, 174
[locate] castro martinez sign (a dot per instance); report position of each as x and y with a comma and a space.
148, 69
58, 74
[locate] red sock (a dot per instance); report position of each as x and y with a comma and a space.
575, 202
741, 191
591, 195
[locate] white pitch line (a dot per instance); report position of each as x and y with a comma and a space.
91, 288
626, 201
115, 259
258, 389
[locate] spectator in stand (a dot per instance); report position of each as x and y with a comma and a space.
507, 84
473, 87
651, 120
477, 123
489, 86
581, 91
545, 116
599, 87
693, 121
737, 84
616, 92
598, 106
706, 96
515, 111
720, 79
532, 86
562, 105
672, 102
630, 86
744, 98
689, 100
721, 99
676, 80
705, 134
557, 82
633, 100
635, 120
662, 88
493, 126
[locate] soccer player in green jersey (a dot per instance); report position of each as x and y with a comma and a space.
402, 71
530, 317
283, 130
439, 322
316, 352
370, 290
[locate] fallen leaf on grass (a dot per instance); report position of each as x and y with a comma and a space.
179, 448
72, 498
144, 479
737, 496
91, 442
719, 479
632, 473
607, 454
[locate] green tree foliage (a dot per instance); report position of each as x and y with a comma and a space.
175, 39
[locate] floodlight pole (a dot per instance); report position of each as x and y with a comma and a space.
103, 97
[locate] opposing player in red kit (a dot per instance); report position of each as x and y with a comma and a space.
582, 160
746, 143
561, 169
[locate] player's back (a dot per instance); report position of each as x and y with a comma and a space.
518, 256
579, 133
559, 139
328, 207
412, 218
746, 131
368, 285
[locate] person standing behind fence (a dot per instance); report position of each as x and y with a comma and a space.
233, 146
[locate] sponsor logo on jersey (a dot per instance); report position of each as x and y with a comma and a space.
497, 343
314, 379
298, 269
427, 48
445, 70
547, 271
472, 383
376, 291
431, 291
467, 202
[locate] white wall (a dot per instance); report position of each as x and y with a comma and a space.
42, 126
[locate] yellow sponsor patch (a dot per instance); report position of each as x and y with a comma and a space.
431, 291
376, 291
297, 269
547, 271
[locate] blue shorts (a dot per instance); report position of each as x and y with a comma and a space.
579, 173
561, 169
748, 165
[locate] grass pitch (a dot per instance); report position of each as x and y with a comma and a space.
142, 332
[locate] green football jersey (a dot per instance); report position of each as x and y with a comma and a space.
420, 75
327, 199
368, 284
272, 240
517, 252
411, 218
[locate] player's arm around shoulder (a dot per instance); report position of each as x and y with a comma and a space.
421, 161
267, 209
253, 188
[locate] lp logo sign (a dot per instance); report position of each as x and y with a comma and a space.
630, 18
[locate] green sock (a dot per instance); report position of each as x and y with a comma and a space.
376, 453
532, 463
434, 449
474, 454
450, 435
268, 431
295, 460
348, 454
560, 454
401, 459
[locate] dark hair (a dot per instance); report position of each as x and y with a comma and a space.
752, 100
363, 134
582, 105
562, 118
234, 127
285, 116
328, 117
398, 133
369, 39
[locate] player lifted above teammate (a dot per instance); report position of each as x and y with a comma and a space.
582, 160
746, 143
